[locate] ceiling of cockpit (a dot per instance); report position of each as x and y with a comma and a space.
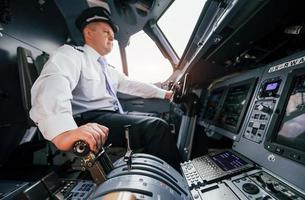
259, 33
130, 15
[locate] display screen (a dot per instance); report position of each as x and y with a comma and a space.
212, 104
292, 128
234, 103
228, 161
272, 86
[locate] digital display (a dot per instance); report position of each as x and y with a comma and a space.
234, 103
228, 161
292, 128
272, 86
212, 104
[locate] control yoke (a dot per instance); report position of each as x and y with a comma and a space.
180, 89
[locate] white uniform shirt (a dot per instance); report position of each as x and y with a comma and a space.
70, 83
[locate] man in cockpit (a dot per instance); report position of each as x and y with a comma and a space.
77, 81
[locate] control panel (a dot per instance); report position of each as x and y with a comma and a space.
11, 189
78, 189
52, 186
259, 119
214, 191
214, 166
256, 184
264, 186
262, 110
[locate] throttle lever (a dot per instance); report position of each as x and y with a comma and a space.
103, 150
105, 160
87, 161
128, 154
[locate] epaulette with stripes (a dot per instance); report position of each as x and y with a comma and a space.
111, 66
77, 48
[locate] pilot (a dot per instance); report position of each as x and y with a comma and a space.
77, 81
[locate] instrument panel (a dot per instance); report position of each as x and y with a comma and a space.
271, 135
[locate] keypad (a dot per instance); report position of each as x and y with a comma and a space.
191, 175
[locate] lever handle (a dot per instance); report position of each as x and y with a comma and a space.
81, 148
126, 127
128, 155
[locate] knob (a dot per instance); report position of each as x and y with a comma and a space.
250, 188
81, 148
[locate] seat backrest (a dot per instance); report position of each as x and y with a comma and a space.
40, 61
27, 75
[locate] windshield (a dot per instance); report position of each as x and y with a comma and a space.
178, 22
145, 61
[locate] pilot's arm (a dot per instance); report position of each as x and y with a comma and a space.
145, 90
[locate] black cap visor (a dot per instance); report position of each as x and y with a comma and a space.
114, 27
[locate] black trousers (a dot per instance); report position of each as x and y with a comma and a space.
151, 133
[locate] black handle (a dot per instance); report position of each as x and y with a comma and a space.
81, 148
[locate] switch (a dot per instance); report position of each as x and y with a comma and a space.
254, 131
264, 108
279, 150
262, 126
295, 156
250, 124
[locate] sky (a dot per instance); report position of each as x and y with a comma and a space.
145, 62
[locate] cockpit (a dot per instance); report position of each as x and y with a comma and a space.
237, 72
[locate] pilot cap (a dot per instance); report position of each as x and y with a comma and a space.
95, 14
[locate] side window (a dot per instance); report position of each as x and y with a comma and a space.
145, 61
114, 57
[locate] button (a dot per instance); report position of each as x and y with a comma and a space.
267, 197
278, 150
196, 196
295, 156
262, 117
250, 124
254, 131
256, 116
262, 126
264, 108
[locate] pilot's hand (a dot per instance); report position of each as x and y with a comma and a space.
168, 95
92, 133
